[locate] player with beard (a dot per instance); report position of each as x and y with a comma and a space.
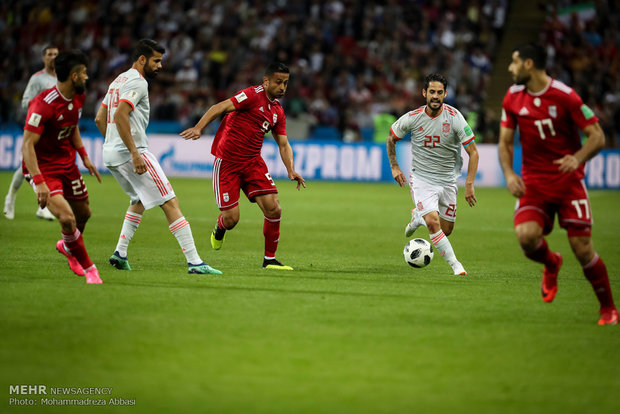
247, 117
122, 119
51, 138
438, 132
549, 115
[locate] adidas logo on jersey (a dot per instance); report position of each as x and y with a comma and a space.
60, 118
261, 109
524, 111
420, 129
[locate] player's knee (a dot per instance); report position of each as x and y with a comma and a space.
528, 240
67, 221
230, 221
432, 223
274, 211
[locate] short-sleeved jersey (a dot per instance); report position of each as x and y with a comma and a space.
130, 87
549, 123
435, 143
241, 133
37, 83
54, 118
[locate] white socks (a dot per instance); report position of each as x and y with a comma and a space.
182, 231
443, 246
130, 225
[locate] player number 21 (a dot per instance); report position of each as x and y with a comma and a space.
540, 122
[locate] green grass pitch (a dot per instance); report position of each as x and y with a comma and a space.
352, 330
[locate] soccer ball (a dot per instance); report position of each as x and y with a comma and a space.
418, 253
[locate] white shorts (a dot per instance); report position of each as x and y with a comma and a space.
428, 197
151, 188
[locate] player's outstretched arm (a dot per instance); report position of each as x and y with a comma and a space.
594, 144
472, 169
390, 145
286, 153
30, 159
506, 152
212, 113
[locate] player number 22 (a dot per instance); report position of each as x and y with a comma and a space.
431, 141
65, 132
540, 122
77, 186
451, 210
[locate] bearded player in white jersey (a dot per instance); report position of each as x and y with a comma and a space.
122, 119
438, 132
38, 82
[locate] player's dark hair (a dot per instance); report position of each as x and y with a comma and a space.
45, 49
533, 51
435, 77
68, 61
146, 48
276, 67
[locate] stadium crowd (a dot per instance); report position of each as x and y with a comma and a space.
355, 64
582, 45
351, 60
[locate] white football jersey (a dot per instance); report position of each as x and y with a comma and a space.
131, 87
435, 143
37, 83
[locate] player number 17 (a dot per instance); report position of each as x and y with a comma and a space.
582, 207
540, 122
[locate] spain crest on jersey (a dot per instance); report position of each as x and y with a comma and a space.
275, 118
553, 111
445, 127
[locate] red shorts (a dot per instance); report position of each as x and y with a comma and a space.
571, 204
252, 177
68, 183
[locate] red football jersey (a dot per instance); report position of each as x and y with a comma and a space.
241, 133
55, 118
549, 122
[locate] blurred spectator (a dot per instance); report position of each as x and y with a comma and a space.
582, 40
350, 60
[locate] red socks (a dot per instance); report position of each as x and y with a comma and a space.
75, 243
220, 223
542, 254
271, 231
596, 273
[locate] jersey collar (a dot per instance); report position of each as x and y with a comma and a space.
60, 93
274, 101
433, 117
542, 92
